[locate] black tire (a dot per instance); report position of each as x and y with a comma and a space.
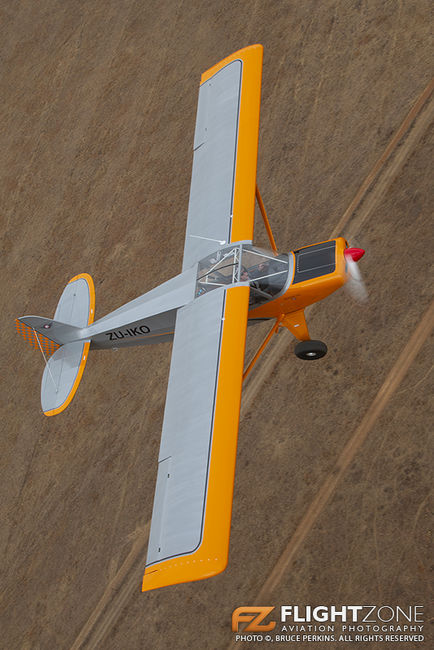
310, 350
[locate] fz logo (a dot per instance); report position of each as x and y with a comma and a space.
244, 614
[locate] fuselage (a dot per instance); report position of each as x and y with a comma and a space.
315, 272
279, 284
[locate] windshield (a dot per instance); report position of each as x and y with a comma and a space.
266, 272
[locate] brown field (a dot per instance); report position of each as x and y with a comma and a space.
334, 468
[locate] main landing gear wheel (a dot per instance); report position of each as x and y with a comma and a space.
310, 350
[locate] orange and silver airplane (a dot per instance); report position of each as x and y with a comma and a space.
226, 283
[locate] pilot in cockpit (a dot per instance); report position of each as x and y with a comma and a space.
254, 272
256, 287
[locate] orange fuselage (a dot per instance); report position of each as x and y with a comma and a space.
325, 271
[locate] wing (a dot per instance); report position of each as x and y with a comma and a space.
222, 192
189, 538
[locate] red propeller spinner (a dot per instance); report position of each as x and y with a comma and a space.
354, 253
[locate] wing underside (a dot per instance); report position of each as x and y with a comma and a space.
190, 527
189, 538
222, 192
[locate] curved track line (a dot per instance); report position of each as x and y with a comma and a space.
116, 593
392, 169
384, 176
126, 579
414, 112
391, 383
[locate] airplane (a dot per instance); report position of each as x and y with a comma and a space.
225, 284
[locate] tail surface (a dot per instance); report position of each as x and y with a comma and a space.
46, 332
60, 341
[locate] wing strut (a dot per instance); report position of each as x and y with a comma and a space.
291, 321
264, 344
265, 218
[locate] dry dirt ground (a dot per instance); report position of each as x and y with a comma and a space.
334, 467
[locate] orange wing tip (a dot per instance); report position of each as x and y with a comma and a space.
246, 53
184, 569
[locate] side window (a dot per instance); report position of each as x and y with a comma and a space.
219, 269
267, 273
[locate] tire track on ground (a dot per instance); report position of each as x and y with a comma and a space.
392, 170
128, 578
116, 594
387, 390
389, 150
375, 185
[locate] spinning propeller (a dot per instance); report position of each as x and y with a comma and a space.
355, 284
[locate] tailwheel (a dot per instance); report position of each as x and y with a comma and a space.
310, 350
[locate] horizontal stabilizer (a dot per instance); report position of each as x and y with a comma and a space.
37, 327
35, 339
62, 376
62, 343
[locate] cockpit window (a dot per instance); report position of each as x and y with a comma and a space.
267, 273
219, 269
